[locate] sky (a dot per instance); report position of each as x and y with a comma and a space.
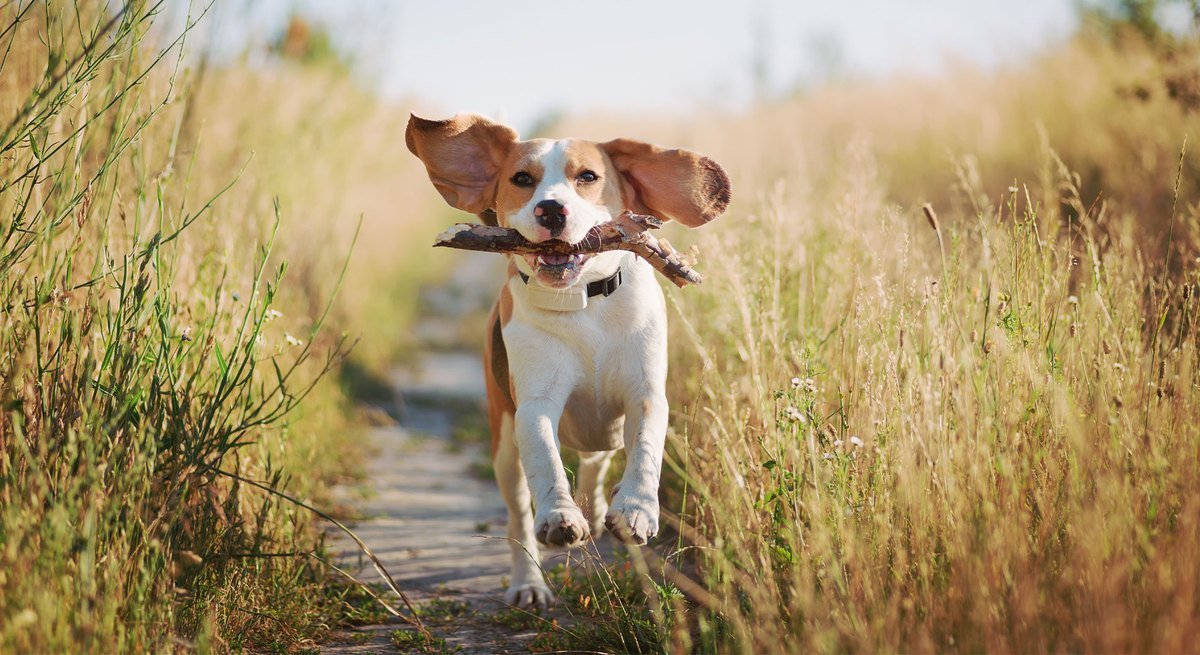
521, 61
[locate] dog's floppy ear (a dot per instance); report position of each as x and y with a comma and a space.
672, 184
463, 155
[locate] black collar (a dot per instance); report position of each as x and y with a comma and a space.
605, 287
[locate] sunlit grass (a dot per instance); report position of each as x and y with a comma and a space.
888, 453
979, 437
158, 349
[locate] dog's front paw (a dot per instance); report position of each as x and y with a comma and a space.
530, 596
632, 519
562, 526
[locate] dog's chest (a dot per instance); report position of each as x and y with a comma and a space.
611, 369
612, 352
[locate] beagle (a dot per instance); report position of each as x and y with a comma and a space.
576, 351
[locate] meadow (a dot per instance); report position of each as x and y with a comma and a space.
173, 358
968, 428
971, 428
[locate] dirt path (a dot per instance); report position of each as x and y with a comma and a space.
437, 524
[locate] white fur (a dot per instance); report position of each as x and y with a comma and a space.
592, 380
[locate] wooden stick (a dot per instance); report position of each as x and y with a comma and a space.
628, 231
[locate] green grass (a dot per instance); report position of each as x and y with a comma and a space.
150, 366
411, 641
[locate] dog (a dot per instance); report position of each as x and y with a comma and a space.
576, 349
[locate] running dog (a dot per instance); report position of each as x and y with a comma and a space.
576, 352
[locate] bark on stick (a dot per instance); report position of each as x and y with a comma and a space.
628, 231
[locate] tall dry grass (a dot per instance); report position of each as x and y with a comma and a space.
889, 455
173, 238
970, 434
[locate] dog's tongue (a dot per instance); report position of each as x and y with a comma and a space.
556, 260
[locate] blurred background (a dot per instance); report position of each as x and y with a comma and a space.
527, 62
778, 90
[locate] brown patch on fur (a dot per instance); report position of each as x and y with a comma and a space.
495, 363
504, 305
676, 184
521, 158
587, 156
497, 379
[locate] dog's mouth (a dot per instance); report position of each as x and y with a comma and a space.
557, 271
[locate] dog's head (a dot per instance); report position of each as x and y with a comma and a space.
548, 189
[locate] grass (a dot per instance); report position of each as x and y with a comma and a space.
159, 350
411, 641
991, 455
970, 432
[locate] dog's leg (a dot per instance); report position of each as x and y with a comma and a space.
589, 486
544, 374
633, 515
527, 587
557, 521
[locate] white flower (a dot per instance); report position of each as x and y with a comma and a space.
827, 456
810, 385
837, 443
292, 341
272, 314
186, 335
858, 443
236, 296
1073, 300
794, 414
795, 382
1119, 366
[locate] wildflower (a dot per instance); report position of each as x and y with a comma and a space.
837, 443
858, 443
186, 335
810, 385
795, 383
794, 414
1119, 366
292, 341
827, 456
272, 314
236, 296
1074, 300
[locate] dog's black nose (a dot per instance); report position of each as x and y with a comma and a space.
552, 215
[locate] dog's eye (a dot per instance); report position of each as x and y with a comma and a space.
587, 177
522, 179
